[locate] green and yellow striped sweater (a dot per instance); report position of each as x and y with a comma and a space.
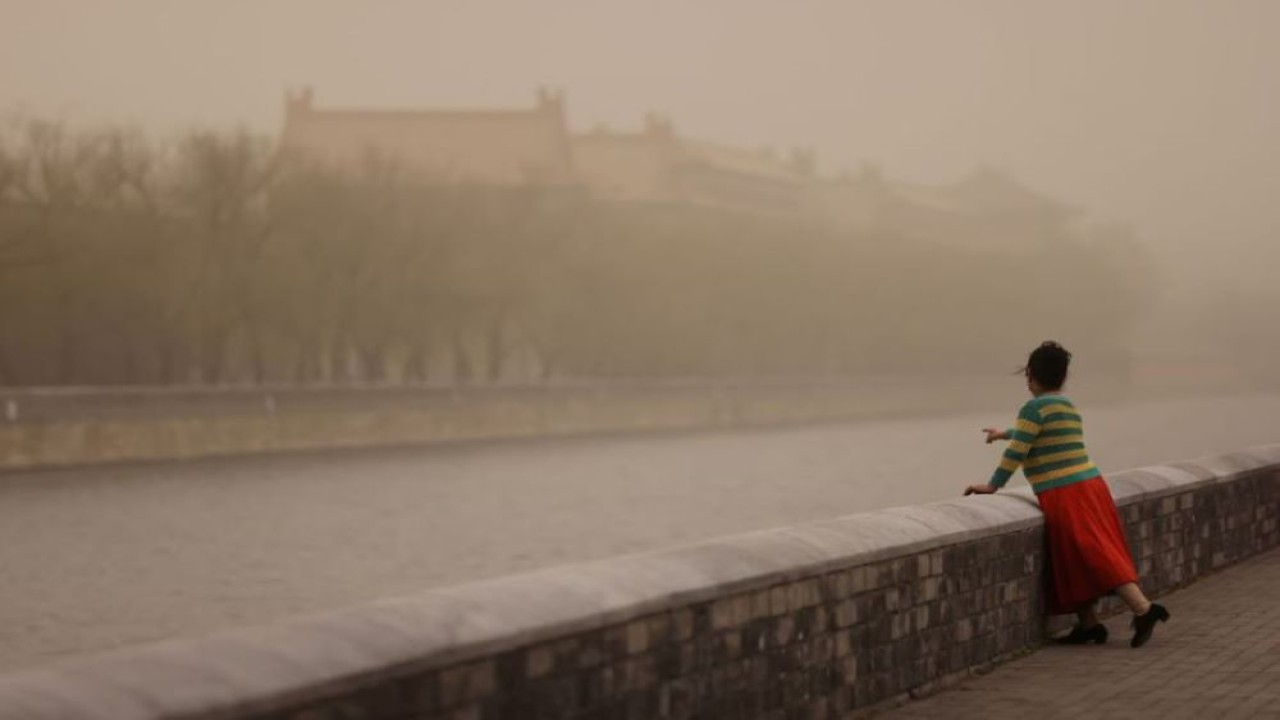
1048, 442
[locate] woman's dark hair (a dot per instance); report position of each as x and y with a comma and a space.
1048, 365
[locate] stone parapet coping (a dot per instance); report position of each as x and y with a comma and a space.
259, 668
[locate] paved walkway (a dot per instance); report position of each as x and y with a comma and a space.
1218, 657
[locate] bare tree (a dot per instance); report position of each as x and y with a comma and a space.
220, 185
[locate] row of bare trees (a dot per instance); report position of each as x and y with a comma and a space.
215, 259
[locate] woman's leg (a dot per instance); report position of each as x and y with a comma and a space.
1145, 613
1087, 614
1088, 629
1132, 595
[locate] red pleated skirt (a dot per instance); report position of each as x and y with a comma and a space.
1088, 555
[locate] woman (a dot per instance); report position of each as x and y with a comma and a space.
1088, 556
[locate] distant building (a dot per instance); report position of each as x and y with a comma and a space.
854, 202
628, 166
534, 146
988, 209
493, 147
656, 165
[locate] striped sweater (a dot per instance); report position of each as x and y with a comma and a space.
1048, 442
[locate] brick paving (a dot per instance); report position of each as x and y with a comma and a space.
1218, 657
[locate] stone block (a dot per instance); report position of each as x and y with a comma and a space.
761, 604
756, 636
471, 712
778, 600
848, 669
722, 613
880, 575
691, 661
473, 681
682, 624
821, 621
921, 618
859, 580
802, 594
846, 613
676, 699
637, 636
937, 562
899, 625
931, 589
783, 630
824, 648
668, 661
729, 646
640, 706
882, 659
539, 661
660, 629
843, 644
819, 709
636, 673
557, 697
837, 586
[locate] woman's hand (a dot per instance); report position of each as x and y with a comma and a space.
984, 489
994, 435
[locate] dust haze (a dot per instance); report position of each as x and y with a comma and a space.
189, 193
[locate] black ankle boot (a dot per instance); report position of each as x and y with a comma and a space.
1084, 635
1145, 624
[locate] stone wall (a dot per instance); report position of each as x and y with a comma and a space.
816, 621
73, 427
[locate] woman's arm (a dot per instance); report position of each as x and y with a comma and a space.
1025, 431
994, 434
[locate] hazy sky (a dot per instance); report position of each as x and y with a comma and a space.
1162, 112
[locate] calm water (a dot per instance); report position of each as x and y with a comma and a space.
96, 559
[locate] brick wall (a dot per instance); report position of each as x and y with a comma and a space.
814, 621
